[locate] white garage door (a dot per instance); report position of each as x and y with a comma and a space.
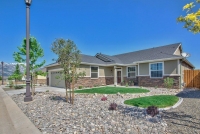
55, 81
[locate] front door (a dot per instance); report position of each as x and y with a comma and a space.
118, 76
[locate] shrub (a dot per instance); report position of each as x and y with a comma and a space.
113, 106
18, 87
80, 87
103, 98
11, 83
126, 84
152, 110
168, 82
47, 90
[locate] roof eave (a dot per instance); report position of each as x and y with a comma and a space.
189, 63
164, 59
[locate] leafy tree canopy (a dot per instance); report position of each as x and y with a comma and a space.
17, 75
192, 18
36, 52
68, 57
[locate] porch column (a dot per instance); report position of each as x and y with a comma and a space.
115, 75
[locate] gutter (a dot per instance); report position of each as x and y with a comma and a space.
119, 64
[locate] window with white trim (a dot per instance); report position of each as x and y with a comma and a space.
94, 72
156, 70
131, 72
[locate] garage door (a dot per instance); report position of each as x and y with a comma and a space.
55, 82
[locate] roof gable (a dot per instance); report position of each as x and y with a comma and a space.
161, 52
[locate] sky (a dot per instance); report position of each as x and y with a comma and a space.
107, 26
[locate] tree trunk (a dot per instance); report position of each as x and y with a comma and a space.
73, 85
66, 90
15, 82
70, 93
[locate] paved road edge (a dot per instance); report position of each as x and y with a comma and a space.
21, 123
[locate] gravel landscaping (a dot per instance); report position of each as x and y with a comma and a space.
185, 119
51, 114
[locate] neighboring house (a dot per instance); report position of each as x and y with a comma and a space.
42, 80
146, 68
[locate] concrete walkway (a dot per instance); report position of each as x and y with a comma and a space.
38, 89
12, 119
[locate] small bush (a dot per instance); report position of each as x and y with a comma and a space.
126, 84
103, 98
168, 82
80, 87
47, 90
152, 110
113, 106
96, 85
18, 87
11, 84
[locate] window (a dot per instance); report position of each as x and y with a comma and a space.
131, 72
156, 70
94, 72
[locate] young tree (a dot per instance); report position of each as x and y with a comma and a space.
69, 59
10, 77
17, 75
36, 52
192, 18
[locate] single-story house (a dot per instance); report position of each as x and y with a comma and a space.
146, 68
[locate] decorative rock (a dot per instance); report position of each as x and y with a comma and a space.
88, 114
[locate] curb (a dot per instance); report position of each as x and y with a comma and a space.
14, 118
174, 106
160, 109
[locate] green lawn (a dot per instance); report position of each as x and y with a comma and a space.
112, 90
160, 101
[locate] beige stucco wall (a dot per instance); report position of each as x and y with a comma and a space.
171, 67
136, 70
54, 67
178, 52
41, 77
106, 71
124, 73
84, 68
144, 69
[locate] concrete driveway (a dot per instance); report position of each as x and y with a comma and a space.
38, 89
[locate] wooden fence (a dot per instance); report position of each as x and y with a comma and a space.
192, 78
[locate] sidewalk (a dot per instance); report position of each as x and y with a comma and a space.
38, 89
12, 119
